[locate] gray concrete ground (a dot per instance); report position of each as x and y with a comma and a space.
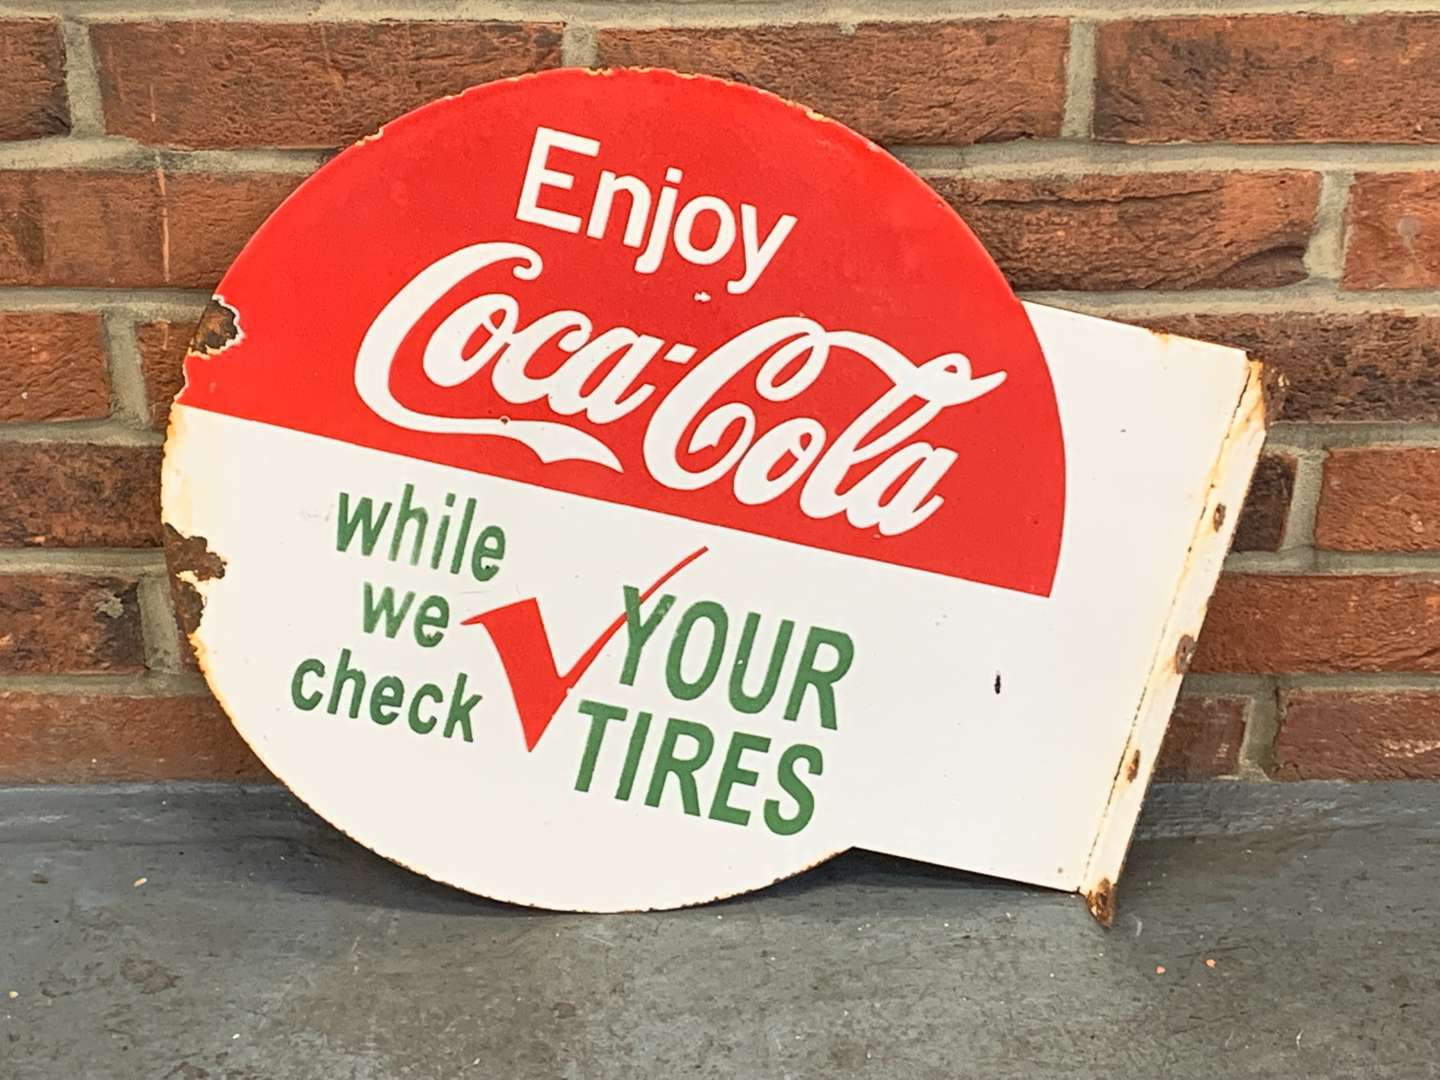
265, 946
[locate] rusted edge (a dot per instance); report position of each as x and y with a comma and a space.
1101, 902
1274, 387
1184, 653
218, 329
1100, 898
1132, 770
190, 560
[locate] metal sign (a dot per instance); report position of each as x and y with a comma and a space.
619, 490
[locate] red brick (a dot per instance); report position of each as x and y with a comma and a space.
162, 347
1204, 738
1380, 500
33, 100
1393, 232
96, 738
52, 367
1267, 506
1269, 78
1358, 735
52, 624
232, 84
212, 217
88, 228
1367, 366
942, 82
77, 495
1296, 623
1140, 231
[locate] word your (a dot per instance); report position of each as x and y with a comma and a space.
687, 224
784, 358
824, 660
408, 531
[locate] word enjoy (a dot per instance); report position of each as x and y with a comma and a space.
788, 355
757, 250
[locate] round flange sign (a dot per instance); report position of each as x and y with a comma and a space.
580, 487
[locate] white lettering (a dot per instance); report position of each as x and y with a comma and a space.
376, 356
654, 235
605, 198
758, 253
724, 230
877, 454
537, 175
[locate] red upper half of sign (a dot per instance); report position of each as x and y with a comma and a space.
666, 292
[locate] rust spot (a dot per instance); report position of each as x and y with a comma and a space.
1274, 388
219, 328
192, 555
1132, 770
1184, 653
1101, 902
1164, 338
1218, 519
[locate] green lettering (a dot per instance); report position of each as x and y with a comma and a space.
362, 521
460, 709
442, 532
796, 788
459, 556
667, 763
632, 756
675, 679
435, 694
372, 610
742, 701
346, 675
732, 773
403, 517
388, 693
490, 544
431, 621
638, 630
600, 714
822, 679
302, 700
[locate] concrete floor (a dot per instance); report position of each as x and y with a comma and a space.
265, 946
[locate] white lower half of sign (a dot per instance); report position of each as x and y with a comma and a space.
750, 727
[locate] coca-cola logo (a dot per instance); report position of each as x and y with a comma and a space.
874, 471
798, 341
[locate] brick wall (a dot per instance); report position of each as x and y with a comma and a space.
1229, 171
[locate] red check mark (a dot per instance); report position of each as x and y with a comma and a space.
518, 631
